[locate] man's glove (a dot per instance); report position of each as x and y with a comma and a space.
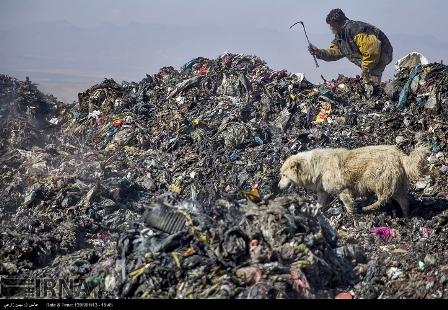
314, 50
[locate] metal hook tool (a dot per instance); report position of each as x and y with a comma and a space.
314, 56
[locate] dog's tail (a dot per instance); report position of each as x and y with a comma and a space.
416, 163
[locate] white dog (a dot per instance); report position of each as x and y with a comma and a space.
381, 170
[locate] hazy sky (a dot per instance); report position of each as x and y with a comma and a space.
413, 17
392, 16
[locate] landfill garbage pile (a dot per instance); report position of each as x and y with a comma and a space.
167, 188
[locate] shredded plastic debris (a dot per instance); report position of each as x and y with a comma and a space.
167, 188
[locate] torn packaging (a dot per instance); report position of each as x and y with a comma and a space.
382, 170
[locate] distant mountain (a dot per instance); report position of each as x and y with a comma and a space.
431, 47
58, 52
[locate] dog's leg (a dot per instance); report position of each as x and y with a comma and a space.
322, 199
404, 203
381, 200
348, 201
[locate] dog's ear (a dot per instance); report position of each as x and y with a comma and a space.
296, 165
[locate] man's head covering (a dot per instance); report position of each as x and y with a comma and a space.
336, 15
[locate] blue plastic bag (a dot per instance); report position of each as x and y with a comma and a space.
405, 91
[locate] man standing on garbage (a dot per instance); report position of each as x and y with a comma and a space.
363, 44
